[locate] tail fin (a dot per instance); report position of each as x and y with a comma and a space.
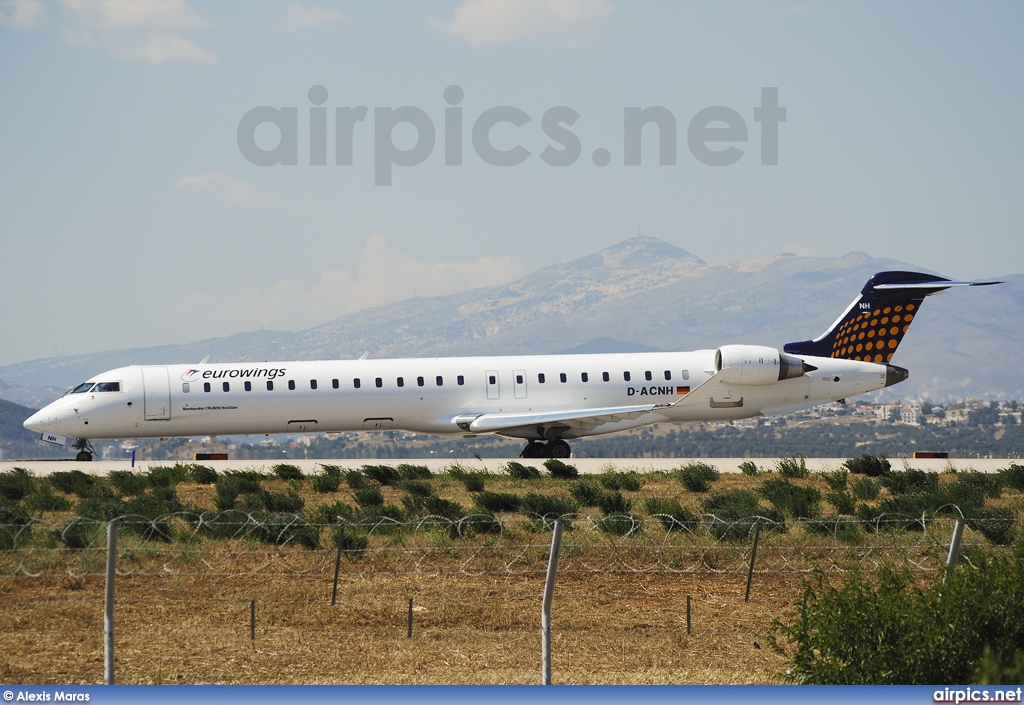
874, 324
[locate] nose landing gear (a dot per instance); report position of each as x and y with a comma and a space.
85, 450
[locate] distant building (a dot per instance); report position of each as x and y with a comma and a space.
910, 415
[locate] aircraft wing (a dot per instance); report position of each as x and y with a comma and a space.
586, 419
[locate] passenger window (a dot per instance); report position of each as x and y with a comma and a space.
519, 379
356, 383
540, 378
461, 380
625, 376
605, 376
648, 376
440, 380
378, 382
492, 379
668, 375
291, 384
184, 387
248, 386
312, 384
561, 376
227, 386
401, 381
270, 386
419, 381
206, 386
334, 383
585, 377
686, 374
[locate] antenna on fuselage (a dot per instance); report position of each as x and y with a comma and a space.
204, 360
364, 355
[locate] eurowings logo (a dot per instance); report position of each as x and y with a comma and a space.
190, 375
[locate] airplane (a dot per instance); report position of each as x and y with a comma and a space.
545, 400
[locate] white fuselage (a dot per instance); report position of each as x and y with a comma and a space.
432, 395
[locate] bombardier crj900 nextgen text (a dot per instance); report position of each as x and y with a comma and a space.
543, 399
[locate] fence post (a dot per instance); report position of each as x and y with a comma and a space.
252, 620
409, 635
753, 557
688, 631
954, 546
545, 613
108, 605
337, 562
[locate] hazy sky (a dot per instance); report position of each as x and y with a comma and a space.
132, 212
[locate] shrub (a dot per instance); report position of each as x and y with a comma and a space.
331, 470
614, 503
629, 481
498, 501
792, 500
326, 483
734, 514
910, 480
167, 475
560, 470
330, 513
287, 471
384, 474
15, 525
413, 472
73, 482
865, 489
842, 501
794, 467
81, 533
16, 484
840, 528
672, 515
101, 508
621, 524
369, 496
202, 474
883, 629
868, 465
129, 483
474, 481
518, 471
585, 492
279, 529
991, 484
444, 508
355, 479
1013, 476
279, 503
352, 545
45, 501
417, 488
749, 467
997, 524
836, 480
697, 476
243, 481
546, 506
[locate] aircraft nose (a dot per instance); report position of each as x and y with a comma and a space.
38, 421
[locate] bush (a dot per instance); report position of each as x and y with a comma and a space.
474, 481
997, 524
793, 467
629, 481
417, 488
444, 508
242, 481
518, 471
547, 507
839, 528
413, 472
81, 533
991, 484
286, 471
792, 500
15, 525
280, 503
280, 529
16, 484
1013, 476
614, 503
384, 474
101, 508
621, 524
45, 501
326, 483
330, 513
560, 470
167, 475
836, 480
202, 474
868, 465
498, 501
910, 480
585, 492
129, 483
865, 489
73, 482
734, 514
672, 515
884, 629
842, 501
331, 470
697, 477
749, 467
369, 496
355, 479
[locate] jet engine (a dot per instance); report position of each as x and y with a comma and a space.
757, 365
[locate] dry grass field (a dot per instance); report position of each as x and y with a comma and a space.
619, 613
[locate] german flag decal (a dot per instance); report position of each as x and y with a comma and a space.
682, 390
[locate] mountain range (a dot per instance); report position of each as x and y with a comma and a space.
641, 294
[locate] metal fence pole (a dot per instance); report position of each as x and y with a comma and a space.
545, 613
753, 556
954, 545
337, 561
108, 605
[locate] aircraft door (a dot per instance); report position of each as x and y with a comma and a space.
519, 383
156, 390
491, 379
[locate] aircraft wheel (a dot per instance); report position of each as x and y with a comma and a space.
533, 449
84, 456
559, 449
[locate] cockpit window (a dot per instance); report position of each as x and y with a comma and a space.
108, 387
82, 388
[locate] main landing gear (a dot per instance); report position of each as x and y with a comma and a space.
85, 450
551, 449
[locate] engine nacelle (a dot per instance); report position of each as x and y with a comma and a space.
757, 364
